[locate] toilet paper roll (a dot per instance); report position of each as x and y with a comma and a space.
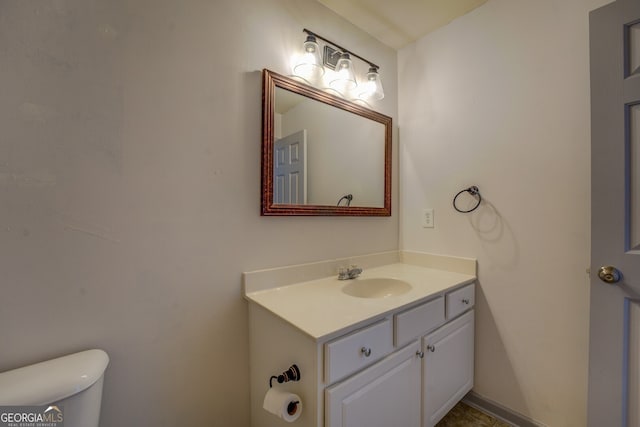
283, 404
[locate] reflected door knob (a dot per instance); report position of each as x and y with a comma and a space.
609, 274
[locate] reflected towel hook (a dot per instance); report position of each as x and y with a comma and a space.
347, 197
474, 191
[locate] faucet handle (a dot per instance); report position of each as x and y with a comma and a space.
354, 271
350, 272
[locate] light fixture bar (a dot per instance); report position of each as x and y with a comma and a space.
316, 35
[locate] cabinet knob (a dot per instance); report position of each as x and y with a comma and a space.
420, 354
431, 348
465, 301
366, 351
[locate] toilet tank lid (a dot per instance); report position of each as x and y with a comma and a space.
52, 380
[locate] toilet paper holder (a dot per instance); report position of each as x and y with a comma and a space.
291, 374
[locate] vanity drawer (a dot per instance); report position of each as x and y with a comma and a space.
460, 300
353, 352
418, 321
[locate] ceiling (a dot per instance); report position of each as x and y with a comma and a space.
399, 22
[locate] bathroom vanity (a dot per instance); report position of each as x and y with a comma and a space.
393, 346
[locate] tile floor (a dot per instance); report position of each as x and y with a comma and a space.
463, 415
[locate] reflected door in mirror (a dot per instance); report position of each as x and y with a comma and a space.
290, 169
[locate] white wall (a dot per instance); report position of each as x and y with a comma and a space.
130, 191
500, 99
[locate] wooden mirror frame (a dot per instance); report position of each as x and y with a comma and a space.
271, 80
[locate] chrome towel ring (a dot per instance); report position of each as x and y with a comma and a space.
474, 191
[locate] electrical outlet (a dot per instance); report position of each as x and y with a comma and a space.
427, 218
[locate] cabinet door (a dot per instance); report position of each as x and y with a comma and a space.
448, 367
383, 395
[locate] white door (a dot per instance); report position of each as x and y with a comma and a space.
615, 215
290, 169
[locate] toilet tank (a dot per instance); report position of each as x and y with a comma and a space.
73, 383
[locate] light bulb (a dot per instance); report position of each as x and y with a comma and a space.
344, 79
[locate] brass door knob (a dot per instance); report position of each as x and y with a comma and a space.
609, 274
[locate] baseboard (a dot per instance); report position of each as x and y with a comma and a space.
498, 411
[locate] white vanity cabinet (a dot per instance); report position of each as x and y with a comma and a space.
407, 367
363, 346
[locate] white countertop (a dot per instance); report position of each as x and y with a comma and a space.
320, 308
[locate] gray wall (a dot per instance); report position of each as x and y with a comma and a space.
130, 189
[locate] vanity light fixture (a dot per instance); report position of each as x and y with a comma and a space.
311, 67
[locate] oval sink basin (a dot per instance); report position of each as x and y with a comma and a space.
376, 288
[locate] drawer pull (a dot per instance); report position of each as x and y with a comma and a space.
465, 301
366, 351
431, 348
420, 354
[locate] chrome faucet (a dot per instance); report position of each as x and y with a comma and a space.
348, 273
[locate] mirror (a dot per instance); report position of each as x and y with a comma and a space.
322, 154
